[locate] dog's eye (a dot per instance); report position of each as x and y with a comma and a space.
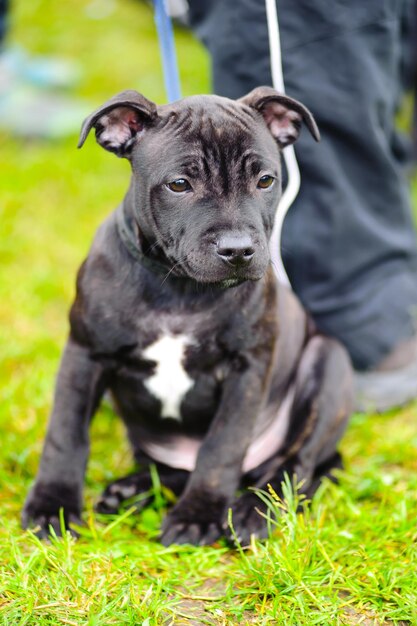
179, 185
265, 181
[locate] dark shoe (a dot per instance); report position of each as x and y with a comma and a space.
392, 384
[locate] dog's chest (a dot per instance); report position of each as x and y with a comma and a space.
169, 381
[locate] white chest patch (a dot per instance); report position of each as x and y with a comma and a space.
170, 382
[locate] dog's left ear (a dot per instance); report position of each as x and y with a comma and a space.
283, 115
120, 121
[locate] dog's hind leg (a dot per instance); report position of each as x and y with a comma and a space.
321, 408
136, 488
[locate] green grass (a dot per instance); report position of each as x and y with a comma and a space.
351, 559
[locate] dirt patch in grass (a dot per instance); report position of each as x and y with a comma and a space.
209, 603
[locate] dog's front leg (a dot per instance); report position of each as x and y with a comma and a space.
61, 474
200, 514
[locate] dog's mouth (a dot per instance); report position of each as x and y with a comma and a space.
224, 280
231, 282
206, 273
203, 268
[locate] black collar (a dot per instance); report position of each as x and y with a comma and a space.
126, 229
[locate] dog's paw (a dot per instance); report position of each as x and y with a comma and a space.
51, 511
44, 525
115, 494
248, 519
188, 532
196, 519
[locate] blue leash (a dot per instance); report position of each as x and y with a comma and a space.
167, 46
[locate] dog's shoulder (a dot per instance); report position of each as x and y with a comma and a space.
103, 291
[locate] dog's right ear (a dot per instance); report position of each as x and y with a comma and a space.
282, 115
120, 122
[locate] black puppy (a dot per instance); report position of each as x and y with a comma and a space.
217, 372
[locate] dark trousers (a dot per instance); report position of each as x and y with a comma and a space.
349, 246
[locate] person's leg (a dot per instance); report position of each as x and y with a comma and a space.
4, 11
348, 241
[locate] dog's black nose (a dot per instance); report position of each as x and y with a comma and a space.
236, 250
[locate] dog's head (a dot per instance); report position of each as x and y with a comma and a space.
206, 175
